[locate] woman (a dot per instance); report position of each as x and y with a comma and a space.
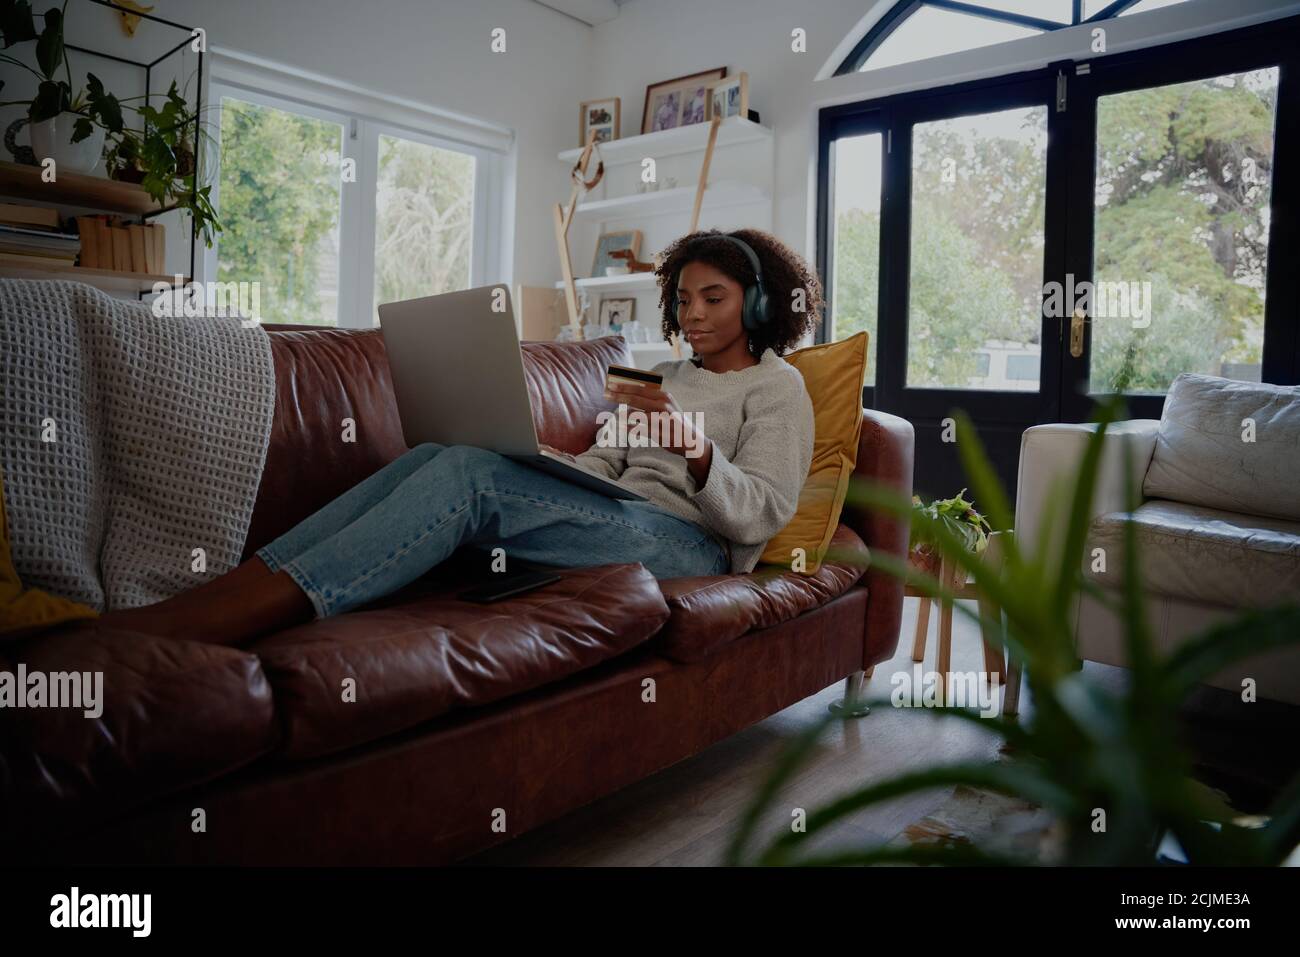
722, 481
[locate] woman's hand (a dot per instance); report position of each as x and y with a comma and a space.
670, 429
554, 451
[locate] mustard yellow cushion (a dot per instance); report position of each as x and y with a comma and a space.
833, 375
28, 609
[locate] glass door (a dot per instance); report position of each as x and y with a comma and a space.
969, 223
1171, 263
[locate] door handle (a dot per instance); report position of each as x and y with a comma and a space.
1076, 332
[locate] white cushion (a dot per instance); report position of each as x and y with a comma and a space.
1202, 554
1201, 456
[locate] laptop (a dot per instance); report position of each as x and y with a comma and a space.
458, 375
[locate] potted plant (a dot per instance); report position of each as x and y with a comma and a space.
957, 517
72, 128
1085, 746
69, 128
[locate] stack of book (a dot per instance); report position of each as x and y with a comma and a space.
33, 233
111, 243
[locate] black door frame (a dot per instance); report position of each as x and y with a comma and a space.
1069, 212
1123, 73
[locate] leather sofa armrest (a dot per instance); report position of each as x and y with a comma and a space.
1049, 461
885, 454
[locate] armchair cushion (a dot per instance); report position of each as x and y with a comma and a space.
1228, 445
1203, 554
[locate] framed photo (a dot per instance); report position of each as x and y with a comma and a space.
603, 116
729, 97
678, 102
616, 311
608, 242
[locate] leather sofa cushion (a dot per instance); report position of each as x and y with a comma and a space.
1202, 458
709, 611
421, 653
322, 377
174, 714
566, 382
1203, 554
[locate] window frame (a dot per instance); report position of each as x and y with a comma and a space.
897, 15
357, 215
1002, 416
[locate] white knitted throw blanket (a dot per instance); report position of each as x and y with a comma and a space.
131, 445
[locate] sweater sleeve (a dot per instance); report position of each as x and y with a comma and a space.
604, 458
751, 497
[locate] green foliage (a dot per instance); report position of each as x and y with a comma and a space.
1085, 747
956, 515
423, 223
279, 191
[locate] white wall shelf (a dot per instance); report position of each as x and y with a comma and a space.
739, 193
633, 282
663, 202
684, 139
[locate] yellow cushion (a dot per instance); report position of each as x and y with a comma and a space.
833, 375
28, 609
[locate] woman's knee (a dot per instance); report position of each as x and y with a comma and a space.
425, 451
470, 462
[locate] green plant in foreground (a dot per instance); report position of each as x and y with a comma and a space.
1085, 748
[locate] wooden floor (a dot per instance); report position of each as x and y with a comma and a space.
685, 815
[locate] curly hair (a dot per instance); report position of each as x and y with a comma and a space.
784, 271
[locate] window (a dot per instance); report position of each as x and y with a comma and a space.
1089, 228
1022, 368
279, 194
333, 210
1183, 190
920, 29
423, 220
856, 277
978, 188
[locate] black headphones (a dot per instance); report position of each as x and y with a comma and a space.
756, 309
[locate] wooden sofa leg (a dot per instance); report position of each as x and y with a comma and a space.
852, 705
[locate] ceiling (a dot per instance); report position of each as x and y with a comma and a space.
590, 12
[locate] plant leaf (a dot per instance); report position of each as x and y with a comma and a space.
51, 99
1255, 632
49, 46
1016, 778
16, 23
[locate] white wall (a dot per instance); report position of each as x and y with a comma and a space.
658, 39
437, 52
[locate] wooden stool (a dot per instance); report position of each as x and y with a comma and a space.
1007, 670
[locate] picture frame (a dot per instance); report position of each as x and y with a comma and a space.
729, 97
620, 311
681, 101
604, 116
607, 243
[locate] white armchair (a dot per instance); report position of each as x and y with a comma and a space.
1200, 563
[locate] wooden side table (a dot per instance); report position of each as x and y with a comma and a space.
1007, 670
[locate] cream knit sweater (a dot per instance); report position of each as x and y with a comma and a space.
760, 421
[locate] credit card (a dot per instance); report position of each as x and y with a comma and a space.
622, 375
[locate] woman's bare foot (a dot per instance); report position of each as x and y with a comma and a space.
240, 605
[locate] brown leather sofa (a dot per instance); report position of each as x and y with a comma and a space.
468, 724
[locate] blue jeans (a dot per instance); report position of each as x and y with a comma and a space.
393, 527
